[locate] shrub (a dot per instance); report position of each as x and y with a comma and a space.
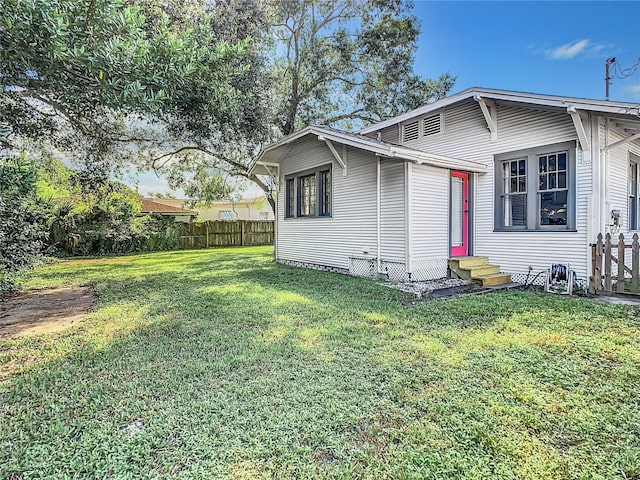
110, 226
23, 221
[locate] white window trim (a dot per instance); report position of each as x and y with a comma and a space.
634, 160
295, 178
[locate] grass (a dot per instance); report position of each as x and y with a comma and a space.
222, 364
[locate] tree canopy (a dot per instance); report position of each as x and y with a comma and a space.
348, 62
194, 89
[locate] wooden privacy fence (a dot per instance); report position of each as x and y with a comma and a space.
604, 254
226, 233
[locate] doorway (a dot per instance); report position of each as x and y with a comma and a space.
459, 215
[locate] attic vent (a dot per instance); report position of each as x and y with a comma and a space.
410, 131
431, 125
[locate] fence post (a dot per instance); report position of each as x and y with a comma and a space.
242, 233
635, 264
206, 233
592, 279
620, 282
598, 267
607, 263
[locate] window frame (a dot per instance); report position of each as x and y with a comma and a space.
294, 180
290, 200
533, 191
633, 222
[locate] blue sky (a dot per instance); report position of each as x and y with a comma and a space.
556, 48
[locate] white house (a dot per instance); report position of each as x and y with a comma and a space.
255, 208
522, 179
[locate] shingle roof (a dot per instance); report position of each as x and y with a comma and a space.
150, 206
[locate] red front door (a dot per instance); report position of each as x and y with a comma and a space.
459, 220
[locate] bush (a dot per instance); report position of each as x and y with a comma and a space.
110, 226
23, 221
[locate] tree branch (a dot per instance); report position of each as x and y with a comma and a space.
353, 116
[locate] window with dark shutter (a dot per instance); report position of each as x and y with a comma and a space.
308, 193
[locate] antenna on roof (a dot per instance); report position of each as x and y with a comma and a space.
607, 78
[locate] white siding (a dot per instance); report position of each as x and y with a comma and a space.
466, 136
392, 210
429, 213
351, 230
618, 162
618, 199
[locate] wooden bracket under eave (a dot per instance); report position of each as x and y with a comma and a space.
490, 112
342, 160
628, 139
585, 144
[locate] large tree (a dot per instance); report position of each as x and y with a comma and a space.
344, 63
348, 61
195, 88
93, 76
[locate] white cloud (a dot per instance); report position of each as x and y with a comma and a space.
635, 89
570, 50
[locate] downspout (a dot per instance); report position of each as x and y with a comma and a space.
275, 221
605, 178
276, 211
378, 216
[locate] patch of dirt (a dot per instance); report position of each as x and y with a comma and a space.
44, 311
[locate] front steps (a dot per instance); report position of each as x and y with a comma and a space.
479, 270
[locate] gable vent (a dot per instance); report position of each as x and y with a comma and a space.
410, 131
431, 125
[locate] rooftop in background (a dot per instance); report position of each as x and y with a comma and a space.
149, 205
177, 202
254, 208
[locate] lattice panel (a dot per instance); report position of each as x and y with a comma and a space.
363, 267
429, 269
539, 280
395, 272
530, 280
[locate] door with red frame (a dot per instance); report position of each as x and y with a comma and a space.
459, 223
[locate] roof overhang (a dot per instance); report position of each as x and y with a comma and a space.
269, 159
606, 108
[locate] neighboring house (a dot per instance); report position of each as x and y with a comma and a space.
256, 208
523, 179
149, 206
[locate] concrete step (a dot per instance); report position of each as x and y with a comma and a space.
466, 262
494, 279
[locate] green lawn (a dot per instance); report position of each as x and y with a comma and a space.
235, 367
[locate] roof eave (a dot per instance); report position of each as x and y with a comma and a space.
382, 150
601, 106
